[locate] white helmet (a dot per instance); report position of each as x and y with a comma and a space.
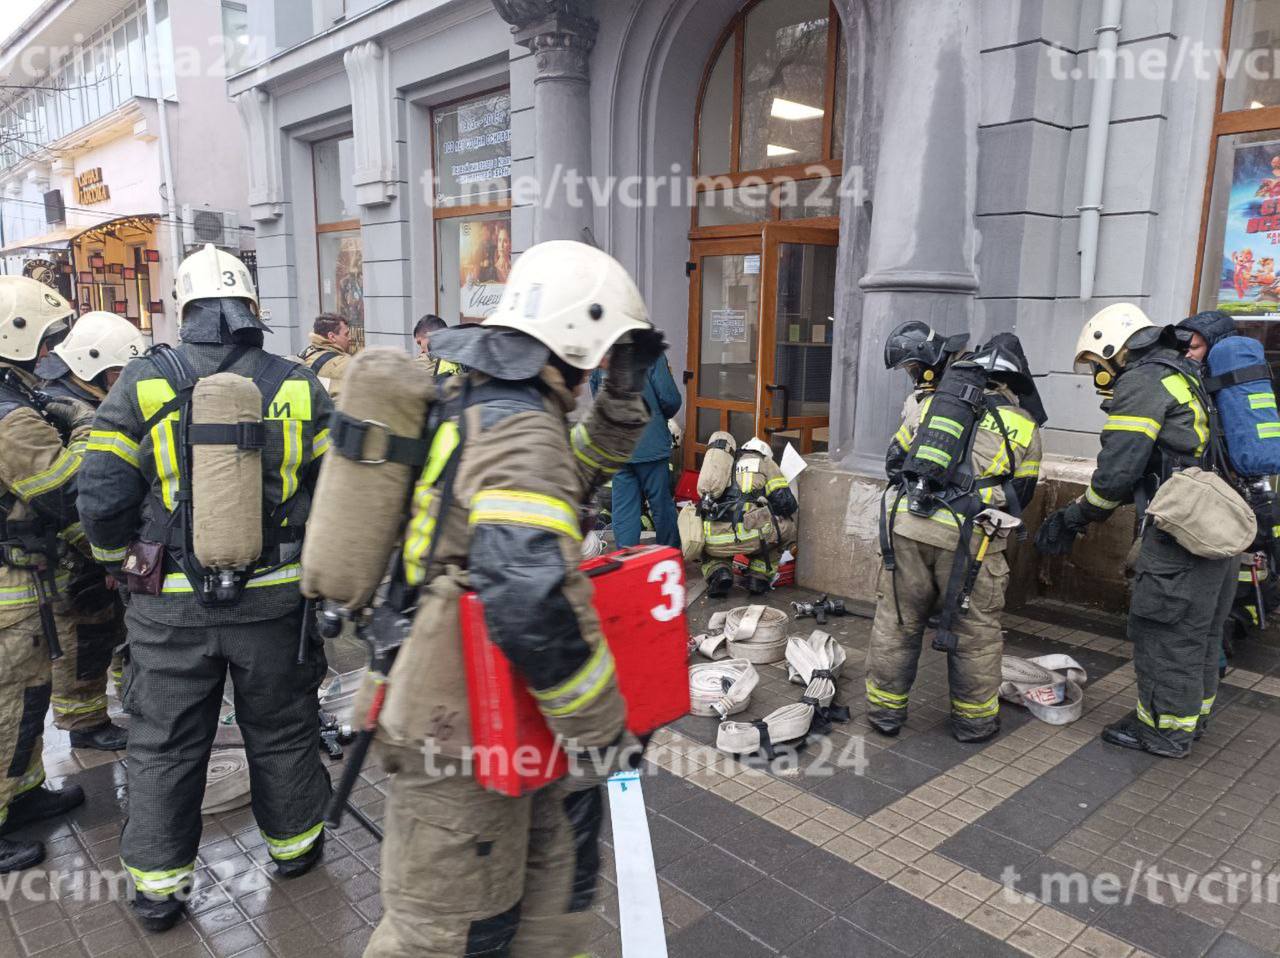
211, 273
676, 430
99, 341
574, 299
756, 444
1107, 337
29, 311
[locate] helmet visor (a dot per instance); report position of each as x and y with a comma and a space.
235, 312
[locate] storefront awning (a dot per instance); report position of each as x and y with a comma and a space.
53, 240
121, 228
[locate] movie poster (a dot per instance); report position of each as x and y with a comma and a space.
1250, 286
484, 264
349, 286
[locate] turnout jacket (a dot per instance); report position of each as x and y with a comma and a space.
897, 454
133, 478
1155, 423
511, 533
990, 459
39, 476
327, 361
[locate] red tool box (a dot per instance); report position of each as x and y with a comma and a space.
639, 596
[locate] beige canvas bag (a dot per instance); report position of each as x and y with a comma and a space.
1205, 515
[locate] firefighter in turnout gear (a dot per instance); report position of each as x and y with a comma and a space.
41, 443
924, 354
83, 367
1157, 424
496, 510
936, 559
753, 516
191, 622
329, 353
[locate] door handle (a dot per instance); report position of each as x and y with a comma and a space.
786, 404
688, 376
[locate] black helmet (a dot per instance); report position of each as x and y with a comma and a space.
917, 342
1213, 325
1005, 362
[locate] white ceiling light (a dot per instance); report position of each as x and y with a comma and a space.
775, 150
791, 110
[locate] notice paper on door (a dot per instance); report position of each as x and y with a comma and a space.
792, 465
728, 325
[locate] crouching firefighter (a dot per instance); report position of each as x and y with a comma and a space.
924, 355
41, 441
1158, 424
747, 508
488, 500
197, 487
83, 367
972, 465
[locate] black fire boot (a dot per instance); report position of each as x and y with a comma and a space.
17, 856
758, 584
297, 867
41, 803
106, 737
157, 915
973, 731
1123, 733
719, 584
887, 727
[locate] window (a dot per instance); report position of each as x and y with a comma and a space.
235, 37
771, 113
339, 250
471, 152
1240, 239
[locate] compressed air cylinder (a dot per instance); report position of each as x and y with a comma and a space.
717, 466
359, 508
226, 481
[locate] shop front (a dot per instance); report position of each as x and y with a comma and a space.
113, 264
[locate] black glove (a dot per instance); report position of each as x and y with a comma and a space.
1058, 533
69, 414
631, 360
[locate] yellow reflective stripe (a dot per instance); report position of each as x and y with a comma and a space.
987, 709
942, 516
447, 368
162, 882
320, 444
1019, 428
73, 533
946, 425
884, 699
291, 433
1144, 716
1148, 427
15, 597
1268, 430
33, 777
286, 849
421, 529
1207, 705
1179, 388
1265, 400
774, 484
580, 690
291, 401
1245, 576
108, 555
1101, 502
176, 583
934, 454
152, 396
68, 706
1184, 723
1030, 469
513, 507
582, 439
903, 437
739, 533
58, 474
116, 443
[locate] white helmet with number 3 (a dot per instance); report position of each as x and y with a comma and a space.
29, 311
574, 299
211, 273
100, 341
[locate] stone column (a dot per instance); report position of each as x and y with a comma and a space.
561, 35
921, 257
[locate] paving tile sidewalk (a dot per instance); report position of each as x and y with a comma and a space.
904, 855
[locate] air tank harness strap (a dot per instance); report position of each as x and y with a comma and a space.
357, 440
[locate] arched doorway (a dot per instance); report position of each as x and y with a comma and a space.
765, 226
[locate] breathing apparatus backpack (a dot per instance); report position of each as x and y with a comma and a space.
1239, 382
216, 531
937, 468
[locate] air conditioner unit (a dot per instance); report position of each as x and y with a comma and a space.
202, 225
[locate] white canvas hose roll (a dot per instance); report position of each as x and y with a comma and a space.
814, 662
1050, 686
756, 633
785, 724
721, 688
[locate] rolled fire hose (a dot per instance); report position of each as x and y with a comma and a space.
785, 724
1051, 687
814, 662
721, 688
756, 633
226, 782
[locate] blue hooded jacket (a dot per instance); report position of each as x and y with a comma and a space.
663, 399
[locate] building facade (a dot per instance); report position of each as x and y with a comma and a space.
787, 180
120, 149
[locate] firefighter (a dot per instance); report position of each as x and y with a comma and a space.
422, 336
924, 354
1156, 424
41, 442
138, 501
83, 367
1204, 331
464, 870
922, 545
329, 352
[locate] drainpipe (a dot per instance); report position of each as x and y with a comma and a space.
1095, 162
166, 157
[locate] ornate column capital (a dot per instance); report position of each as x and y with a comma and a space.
559, 33
257, 116
373, 123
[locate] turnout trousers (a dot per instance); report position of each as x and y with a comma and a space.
468, 872
916, 590
1179, 604
95, 629
24, 700
174, 680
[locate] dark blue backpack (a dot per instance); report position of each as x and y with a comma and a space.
1239, 381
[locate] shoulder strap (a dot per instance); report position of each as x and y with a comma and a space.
324, 360
270, 377
1250, 374
178, 373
